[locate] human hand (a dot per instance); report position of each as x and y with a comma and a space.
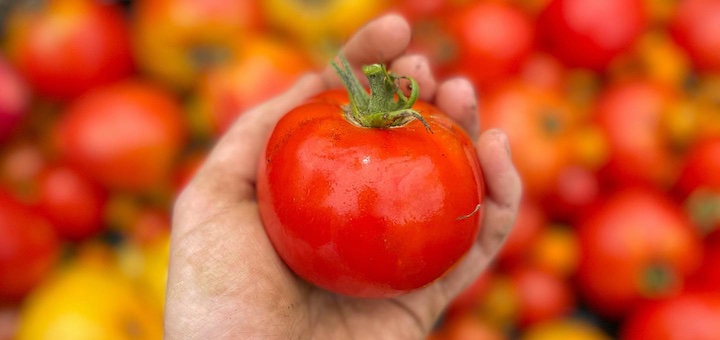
225, 279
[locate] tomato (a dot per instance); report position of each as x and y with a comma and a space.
468, 327
575, 329
577, 190
50, 44
630, 114
125, 135
74, 203
541, 296
15, 101
264, 68
688, 316
590, 33
176, 41
320, 25
20, 166
707, 277
29, 248
529, 224
544, 71
339, 201
695, 25
556, 251
701, 167
491, 41
657, 57
637, 245
539, 124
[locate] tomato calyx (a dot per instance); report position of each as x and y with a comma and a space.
657, 279
386, 105
703, 206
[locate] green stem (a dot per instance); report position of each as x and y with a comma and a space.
386, 105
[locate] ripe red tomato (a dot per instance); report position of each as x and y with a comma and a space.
125, 135
541, 296
630, 115
66, 47
637, 245
590, 33
695, 25
707, 277
530, 222
688, 316
29, 248
14, 102
72, 202
369, 212
491, 41
701, 167
539, 124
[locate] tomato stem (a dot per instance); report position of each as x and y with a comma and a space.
386, 105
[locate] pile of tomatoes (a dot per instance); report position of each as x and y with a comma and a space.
612, 108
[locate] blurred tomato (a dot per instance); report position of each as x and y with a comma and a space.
590, 33
467, 301
541, 295
321, 26
696, 27
14, 102
73, 203
491, 40
263, 69
577, 190
555, 251
529, 224
20, 165
469, 327
570, 329
125, 135
630, 114
701, 167
539, 124
706, 278
88, 301
29, 248
544, 71
688, 316
66, 47
655, 56
176, 41
638, 245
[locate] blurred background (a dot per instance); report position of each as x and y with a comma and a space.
612, 108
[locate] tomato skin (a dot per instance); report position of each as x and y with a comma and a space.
29, 248
696, 27
636, 233
49, 45
629, 114
701, 167
339, 202
688, 316
74, 203
14, 102
125, 135
542, 296
590, 33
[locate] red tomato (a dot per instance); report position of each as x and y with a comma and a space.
529, 224
689, 316
701, 167
638, 245
29, 249
468, 327
630, 115
124, 135
263, 69
696, 27
491, 41
539, 124
14, 102
577, 191
66, 47
590, 33
72, 202
340, 202
541, 296
707, 277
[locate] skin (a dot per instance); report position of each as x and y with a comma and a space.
225, 279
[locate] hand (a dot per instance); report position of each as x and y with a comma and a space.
225, 279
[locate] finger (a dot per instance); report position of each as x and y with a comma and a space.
380, 41
417, 67
457, 98
229, 172
501, 204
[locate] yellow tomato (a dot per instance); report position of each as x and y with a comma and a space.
556, 250
147, 265
564, 329
88, 301
320, 25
